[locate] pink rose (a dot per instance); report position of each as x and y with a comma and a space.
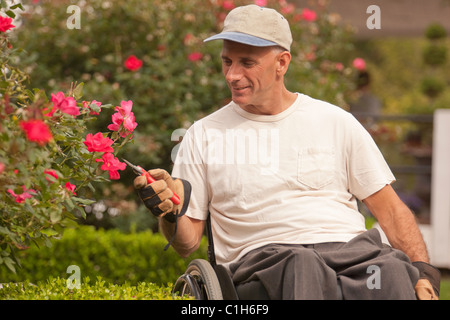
20, 198
5, 24
98, 143
123, 116
51, 173
65, 104
112, 165
36, 131
228, 5
70, 187
133, 63
359, 64
308, 15
195, 56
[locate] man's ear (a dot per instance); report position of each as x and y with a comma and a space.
284, 59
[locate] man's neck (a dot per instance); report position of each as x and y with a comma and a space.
274, 105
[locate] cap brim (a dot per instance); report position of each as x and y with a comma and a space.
242, 38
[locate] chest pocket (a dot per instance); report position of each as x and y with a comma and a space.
316, 166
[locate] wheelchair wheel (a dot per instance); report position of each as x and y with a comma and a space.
199, 281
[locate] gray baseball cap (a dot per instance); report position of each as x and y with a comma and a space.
256, 26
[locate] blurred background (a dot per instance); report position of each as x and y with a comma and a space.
388, 66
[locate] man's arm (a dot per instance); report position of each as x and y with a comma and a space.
188, 236
402, 231
398, 223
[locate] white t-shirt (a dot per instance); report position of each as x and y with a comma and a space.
286, 178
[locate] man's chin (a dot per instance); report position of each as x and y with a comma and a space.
240, 100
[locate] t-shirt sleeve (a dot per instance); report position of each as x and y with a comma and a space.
368, 171
189, 166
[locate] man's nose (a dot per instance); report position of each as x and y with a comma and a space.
233, 73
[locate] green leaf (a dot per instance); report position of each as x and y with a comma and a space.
91, 187
83, 201
55, 216
59, 137
5, 230
49, 232
47, 242
10, 14
107, 106
78, 91
69, 204
19, 5
28, 207
9, 263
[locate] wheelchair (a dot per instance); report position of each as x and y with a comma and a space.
207, 280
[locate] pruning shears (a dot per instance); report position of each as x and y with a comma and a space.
141, 172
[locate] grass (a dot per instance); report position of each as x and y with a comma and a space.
59, 289
445, 287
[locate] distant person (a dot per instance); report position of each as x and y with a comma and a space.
367, 106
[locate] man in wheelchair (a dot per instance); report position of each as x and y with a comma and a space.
280, 173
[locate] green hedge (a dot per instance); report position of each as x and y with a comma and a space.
114, 256
57, 289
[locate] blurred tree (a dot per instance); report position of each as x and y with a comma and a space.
434, 57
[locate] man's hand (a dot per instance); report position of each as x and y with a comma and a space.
427, 288
424, 290
156, 196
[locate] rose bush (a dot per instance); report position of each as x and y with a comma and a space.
49, 161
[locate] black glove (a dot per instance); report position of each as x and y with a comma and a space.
156, 196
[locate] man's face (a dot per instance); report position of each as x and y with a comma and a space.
250, 73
